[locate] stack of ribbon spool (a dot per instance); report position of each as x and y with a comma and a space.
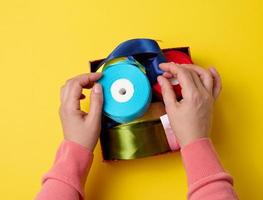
134, 121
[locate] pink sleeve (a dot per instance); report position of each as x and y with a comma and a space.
207, 179
66, 179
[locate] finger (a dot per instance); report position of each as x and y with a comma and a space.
183, 76
74, 86
217, 86
197, 81
62, 92
73, 89
167, 75
167, 66
96, 104
168, 93
205, 75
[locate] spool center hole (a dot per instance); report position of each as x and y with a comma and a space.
122, 91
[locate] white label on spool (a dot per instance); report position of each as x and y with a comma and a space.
122, 90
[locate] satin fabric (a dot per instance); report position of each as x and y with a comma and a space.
134, 82
177, 57
142, 137
145, 51
135, 140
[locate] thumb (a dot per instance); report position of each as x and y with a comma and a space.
96, 104
168, 93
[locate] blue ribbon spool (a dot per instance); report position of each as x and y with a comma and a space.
127, 91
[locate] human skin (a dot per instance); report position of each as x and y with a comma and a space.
190, 118
79, 126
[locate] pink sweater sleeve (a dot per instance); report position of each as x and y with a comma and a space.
207, 179
66, 179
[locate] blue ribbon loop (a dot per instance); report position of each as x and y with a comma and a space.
145, 51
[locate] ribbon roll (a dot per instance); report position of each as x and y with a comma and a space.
179, 58
129, 129
145, 51
128, 59
127, 91
142, 137
170, 135
154, 112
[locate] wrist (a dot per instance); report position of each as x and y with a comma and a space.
82, 143
186, 141
200, 160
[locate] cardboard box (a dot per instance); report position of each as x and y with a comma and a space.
106, 122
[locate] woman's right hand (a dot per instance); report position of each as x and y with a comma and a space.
190, 118
78, 126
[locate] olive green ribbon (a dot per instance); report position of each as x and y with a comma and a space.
140, 138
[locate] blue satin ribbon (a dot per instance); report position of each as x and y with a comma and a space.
145, 51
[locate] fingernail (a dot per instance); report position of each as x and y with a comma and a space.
159, 79
97, 88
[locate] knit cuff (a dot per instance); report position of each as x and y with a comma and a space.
200, 160
71, 166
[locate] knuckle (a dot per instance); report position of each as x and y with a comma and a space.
72, 83
69, 82
62, 88
200, 98
208, 74
61, 110
172, 64
207, 98
65, 109
182, 70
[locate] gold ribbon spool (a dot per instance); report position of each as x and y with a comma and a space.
142, 137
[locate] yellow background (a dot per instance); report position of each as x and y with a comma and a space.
43, 43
